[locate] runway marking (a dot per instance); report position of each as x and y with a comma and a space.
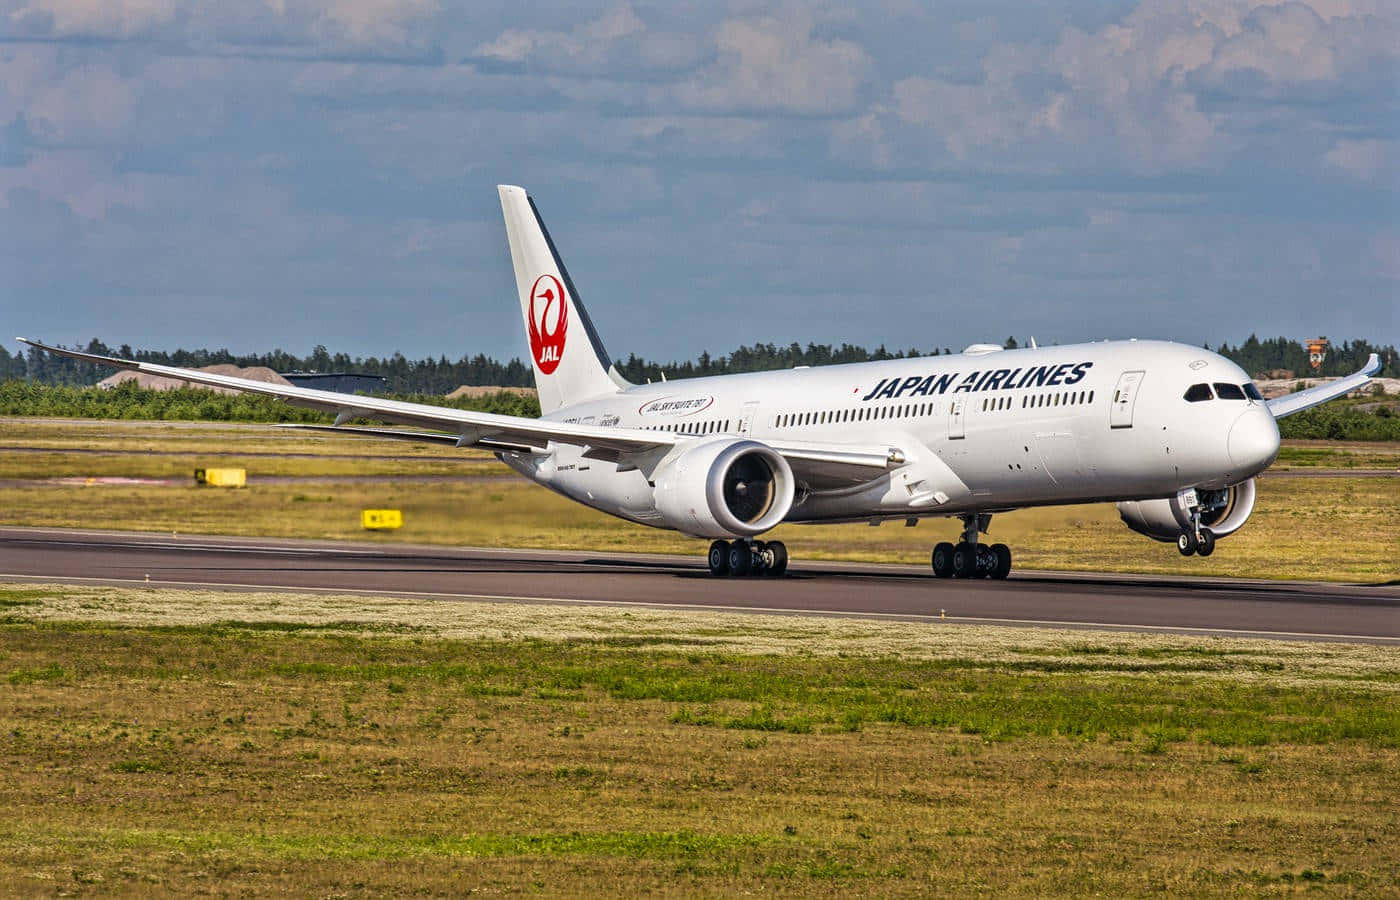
775, 610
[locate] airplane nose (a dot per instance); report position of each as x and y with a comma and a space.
1253, 441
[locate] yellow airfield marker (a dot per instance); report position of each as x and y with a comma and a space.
381, 519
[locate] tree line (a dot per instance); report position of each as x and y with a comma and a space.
439, 375
130, 401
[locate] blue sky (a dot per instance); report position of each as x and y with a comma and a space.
293, 172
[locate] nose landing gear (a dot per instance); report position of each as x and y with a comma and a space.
1195, 539
745, 557
1202, 543
970, 559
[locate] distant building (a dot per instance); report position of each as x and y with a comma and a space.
339, 382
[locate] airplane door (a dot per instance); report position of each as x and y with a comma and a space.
1120, 413
746, 417
956, 414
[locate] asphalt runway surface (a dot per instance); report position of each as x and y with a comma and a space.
1293, 610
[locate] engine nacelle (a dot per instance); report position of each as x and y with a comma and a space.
1223, 512
724, 488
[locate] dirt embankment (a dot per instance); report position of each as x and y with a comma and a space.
478, 390
161, 383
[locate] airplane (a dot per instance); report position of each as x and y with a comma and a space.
1174, 434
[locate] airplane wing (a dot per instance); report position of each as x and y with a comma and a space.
821, 465
470, 428
1289, 404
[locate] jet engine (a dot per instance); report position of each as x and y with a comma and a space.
724, 488
1223, 512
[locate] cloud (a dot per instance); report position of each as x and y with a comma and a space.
590, 42
779, 65
362, 23
112, 18
617, 45
1366, 160
63, 102
1153, 91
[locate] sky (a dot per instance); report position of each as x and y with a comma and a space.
286, 173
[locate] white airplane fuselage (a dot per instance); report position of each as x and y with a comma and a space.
977, 431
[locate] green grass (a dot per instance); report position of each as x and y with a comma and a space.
620, 752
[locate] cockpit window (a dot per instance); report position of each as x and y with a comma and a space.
1228, 391
1198, 392
1252, 392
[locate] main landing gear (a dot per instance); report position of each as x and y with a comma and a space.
970, 559
744, 557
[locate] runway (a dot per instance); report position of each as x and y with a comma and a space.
1291, 610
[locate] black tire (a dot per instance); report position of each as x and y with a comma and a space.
1207, 546
719, 558
965, 560
740, 559
942, 560
984, 561
1002, 567
1186, 543
780, 558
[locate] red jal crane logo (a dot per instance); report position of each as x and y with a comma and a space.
549, 321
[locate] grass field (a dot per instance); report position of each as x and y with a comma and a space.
1331, 528
320, 745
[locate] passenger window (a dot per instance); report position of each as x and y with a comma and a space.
1228, 391
1252, 392
1198, 392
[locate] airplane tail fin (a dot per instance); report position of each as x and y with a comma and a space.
568, 358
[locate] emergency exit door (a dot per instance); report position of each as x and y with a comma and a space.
1120, 412
956, 414
746, 417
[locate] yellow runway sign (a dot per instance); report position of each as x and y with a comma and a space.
377, 519
222, 477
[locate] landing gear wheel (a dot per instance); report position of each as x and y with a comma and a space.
984, 561
964, 560
740, 559
777, 564
1207, 545
1186, 543
1002, 566
719, 558
943, 560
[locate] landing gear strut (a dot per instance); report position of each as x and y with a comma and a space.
746, 557
969, 558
